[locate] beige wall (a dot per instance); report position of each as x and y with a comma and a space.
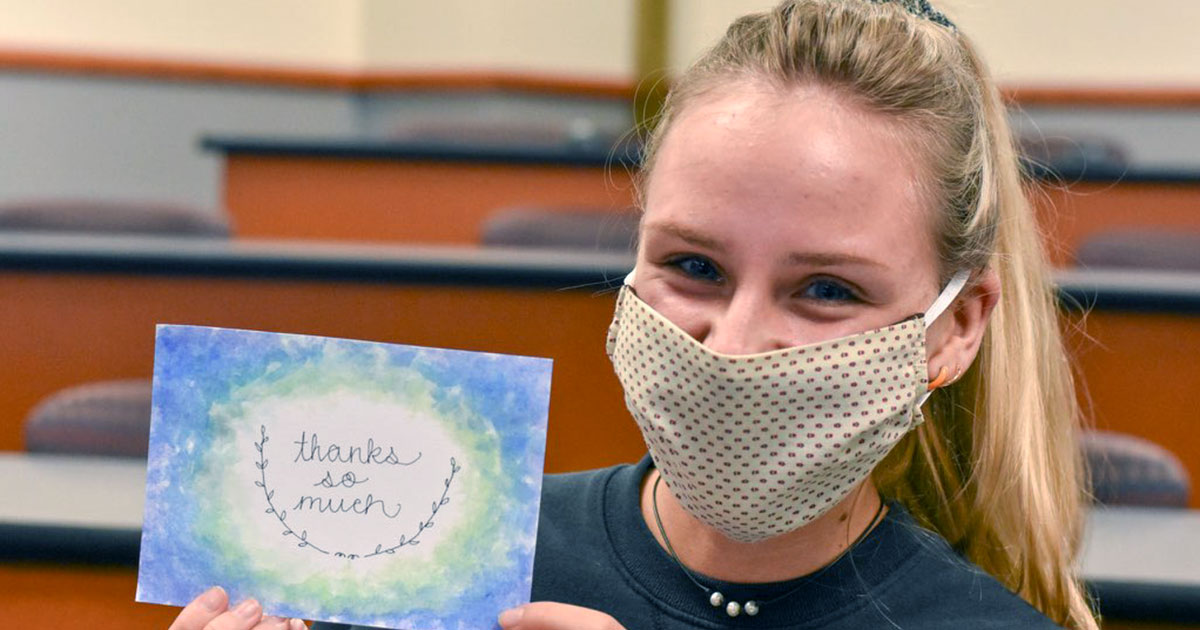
589, 38
1086, 41
303, 33
573, 37
1026, 41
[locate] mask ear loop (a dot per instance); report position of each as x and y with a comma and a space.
939, 306
943, 301
629, 277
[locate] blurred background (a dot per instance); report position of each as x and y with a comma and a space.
112, 100
458, 173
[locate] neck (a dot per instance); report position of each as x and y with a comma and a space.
797, 553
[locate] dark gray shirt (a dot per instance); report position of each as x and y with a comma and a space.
595, 550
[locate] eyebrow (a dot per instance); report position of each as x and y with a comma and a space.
685, 233
822, 259
813, 259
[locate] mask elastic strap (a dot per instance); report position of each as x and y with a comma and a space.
939, 306
948, 295
629, 277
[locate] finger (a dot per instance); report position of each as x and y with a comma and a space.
556, 616
244, 616
273, 623
202, 610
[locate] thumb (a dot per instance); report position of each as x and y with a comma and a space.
556, 616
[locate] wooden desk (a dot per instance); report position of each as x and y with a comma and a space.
405, 192
94, 493
1083, 206
84, 309
384, 191
1143, 563
1143, 545
69, 531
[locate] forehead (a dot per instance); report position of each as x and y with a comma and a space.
814, 166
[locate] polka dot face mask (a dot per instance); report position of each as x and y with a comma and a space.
758, 445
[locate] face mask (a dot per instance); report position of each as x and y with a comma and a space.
758, 445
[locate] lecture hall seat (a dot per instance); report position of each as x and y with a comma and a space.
1142, 248
578, 229
105, 418
109, 417
112, 217
1128, 470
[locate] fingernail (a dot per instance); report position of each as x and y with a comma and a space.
247, 609
213, 599
511, 617
296, 624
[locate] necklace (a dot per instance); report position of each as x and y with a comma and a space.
717, 598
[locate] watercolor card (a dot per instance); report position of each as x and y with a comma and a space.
367, 483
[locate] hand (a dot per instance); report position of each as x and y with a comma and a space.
210, 611
556, 616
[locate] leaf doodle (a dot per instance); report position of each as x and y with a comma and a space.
302, 537
269, 495
427, 523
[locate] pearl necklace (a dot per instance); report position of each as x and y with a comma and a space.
717, 598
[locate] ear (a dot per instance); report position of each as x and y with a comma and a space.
954, 339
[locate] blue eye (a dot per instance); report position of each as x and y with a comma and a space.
697, 267
829, 291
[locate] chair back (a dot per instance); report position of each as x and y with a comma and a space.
1128, 470
587, 229
92, 217
103, 418
1141, 249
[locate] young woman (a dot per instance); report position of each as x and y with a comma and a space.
840, 344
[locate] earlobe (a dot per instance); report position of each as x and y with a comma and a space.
942, 380
939, 380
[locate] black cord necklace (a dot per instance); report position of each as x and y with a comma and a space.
717, 598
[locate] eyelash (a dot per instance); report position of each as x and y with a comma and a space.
681, 263
711, 273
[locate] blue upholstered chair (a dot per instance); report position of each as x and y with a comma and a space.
109, 417
102, 418
1143, 248
579, 229
1128, 470
111, 217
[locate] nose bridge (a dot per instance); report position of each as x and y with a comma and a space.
747, 324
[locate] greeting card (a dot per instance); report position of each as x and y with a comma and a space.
350, 481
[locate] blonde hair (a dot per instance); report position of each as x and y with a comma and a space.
995, 469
